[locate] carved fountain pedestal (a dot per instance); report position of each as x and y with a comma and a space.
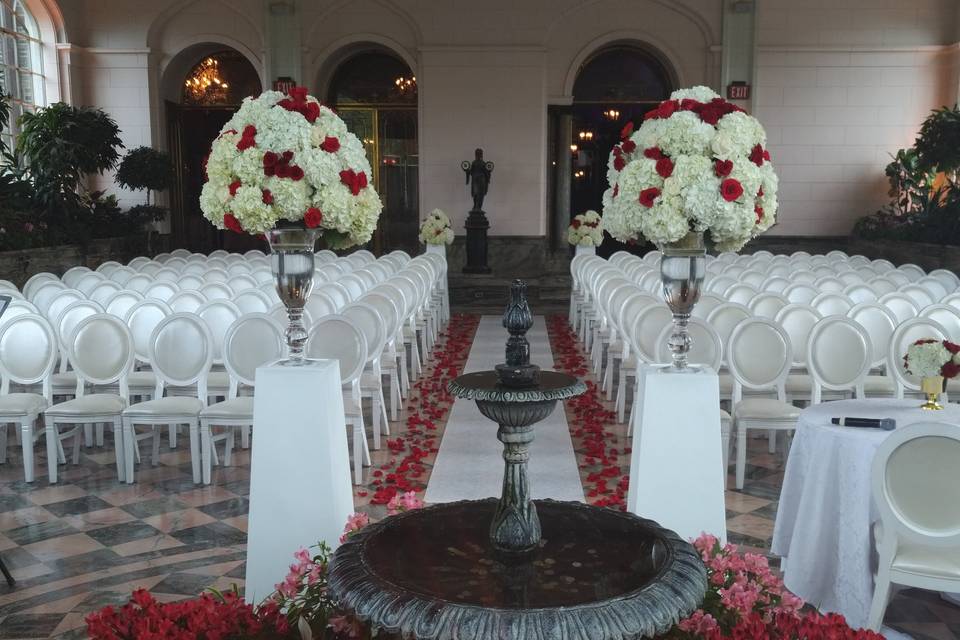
514, 568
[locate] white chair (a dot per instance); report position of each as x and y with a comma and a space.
216, 291
900, 305
882, 286
120, 303
72, 275
934, 287
121, 275
727, 316
28, 353
946, 316
319, 305
254, 340
104, 291
839, 355
797, 320
912, 271
45, 293
948, 279
920, 295
391, 362
161, 290
367, 319
34, 282
167, 274
215, 274
219, 315
759, 356
101, 352
334, 337
186, 301
914, 487
253, 301
89, 281
776, 284
800, 293
142, 318
60, 301
190, 282
879, 323
180, 351
767, 304
905, 335
717, 285
242, 281
741, 293
832, 304
139, 283
18, 308
830, 284
107, 267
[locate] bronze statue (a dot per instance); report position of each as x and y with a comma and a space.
479, 172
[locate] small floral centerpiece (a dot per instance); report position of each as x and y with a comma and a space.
585, 230
435, 229
697, 163
932, 361
286, 158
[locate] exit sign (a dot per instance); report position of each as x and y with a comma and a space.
738, 91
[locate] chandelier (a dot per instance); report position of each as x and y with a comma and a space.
405, 85
205, 86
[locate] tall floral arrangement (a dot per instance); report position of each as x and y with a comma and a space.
286, 158
435, 229
696, 163
585, 230
928, 358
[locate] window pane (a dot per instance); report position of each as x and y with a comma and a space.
6, 16
26, 86
12, 87
24, 59
9, 50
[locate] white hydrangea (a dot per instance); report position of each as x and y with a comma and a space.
926, 359
244, 190
713, 178
435, 228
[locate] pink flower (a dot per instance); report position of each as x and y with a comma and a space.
355, 522
404, 502
699, 623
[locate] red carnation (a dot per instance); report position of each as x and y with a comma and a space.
665, 167
312, 218
355, 181
311, 112
757, 209
758, 155
296, 173
282, 170
230, 222
629, 146
575, 224
653, 153
330, 144
267, 197
689, 104
951, 347
233, 187
647, 196
760, 192
652, 114
249, 131
619, 163
245, 143
722, 168
949, 370
667, 108
626, 131
270, 159
616, 190
298, 93
731, 189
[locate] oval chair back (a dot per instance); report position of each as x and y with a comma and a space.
839, 357
28, 352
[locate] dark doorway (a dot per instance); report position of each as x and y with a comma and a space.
375, 93
614, 87
211, 93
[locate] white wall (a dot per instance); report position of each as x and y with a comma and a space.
839, 84
840, 89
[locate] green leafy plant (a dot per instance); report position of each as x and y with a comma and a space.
145, 169
938, 144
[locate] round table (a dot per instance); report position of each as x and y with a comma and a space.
825, 516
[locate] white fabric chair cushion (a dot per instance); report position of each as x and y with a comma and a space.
369, 381
880, 384
142, 380
218, 380
765, 408
169, 406
921, 560
22, 404
66, 379
240, 409
799, 383
93, 404
350, 406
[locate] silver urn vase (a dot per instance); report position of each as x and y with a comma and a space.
292, 261
682, 269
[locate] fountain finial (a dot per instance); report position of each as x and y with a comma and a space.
517, 319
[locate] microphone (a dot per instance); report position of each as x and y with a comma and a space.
887, 424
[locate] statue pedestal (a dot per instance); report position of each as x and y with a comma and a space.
476, 226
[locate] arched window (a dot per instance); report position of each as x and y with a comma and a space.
21, 62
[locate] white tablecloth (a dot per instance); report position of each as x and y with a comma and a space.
825, 516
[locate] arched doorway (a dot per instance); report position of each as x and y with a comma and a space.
204, 87
614, 86
375, 92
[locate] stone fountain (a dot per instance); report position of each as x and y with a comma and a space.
515, 568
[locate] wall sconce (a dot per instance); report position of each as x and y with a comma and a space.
573, 148
611, 114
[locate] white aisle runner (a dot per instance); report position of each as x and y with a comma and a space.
469, 465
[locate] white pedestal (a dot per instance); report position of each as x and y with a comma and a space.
437, 248
581, 250
300, 486
676, 468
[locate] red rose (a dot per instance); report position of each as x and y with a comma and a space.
266, 196
951, 347
629, 146
651, 115
647, 196
245, 143
667, 108
249, 131
626, 131
330, 144
731, 189
312, 218
270, 159
311, 112
230, 222
355, 181
760, 192
298, 93
757, 155
759, 211
362, 179
286, 157
722, 168
616, 190
282, 170
233, 187
653, 153
689, 104
619, 163
665, 167
575, 224
296, 173
617, 151
949, 370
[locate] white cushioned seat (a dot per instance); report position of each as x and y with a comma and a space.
881, 384
95, 403
165, 406
65, 379
923, 560
22, 404
229, 409
798, 383
766, 408
142, 379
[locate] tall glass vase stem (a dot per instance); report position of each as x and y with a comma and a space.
682, 269
292, 261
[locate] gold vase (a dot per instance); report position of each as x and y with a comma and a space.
932, 387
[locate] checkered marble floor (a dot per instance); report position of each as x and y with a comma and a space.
89, 541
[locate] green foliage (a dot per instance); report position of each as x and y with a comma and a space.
61, 145
919, 211
145, 169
